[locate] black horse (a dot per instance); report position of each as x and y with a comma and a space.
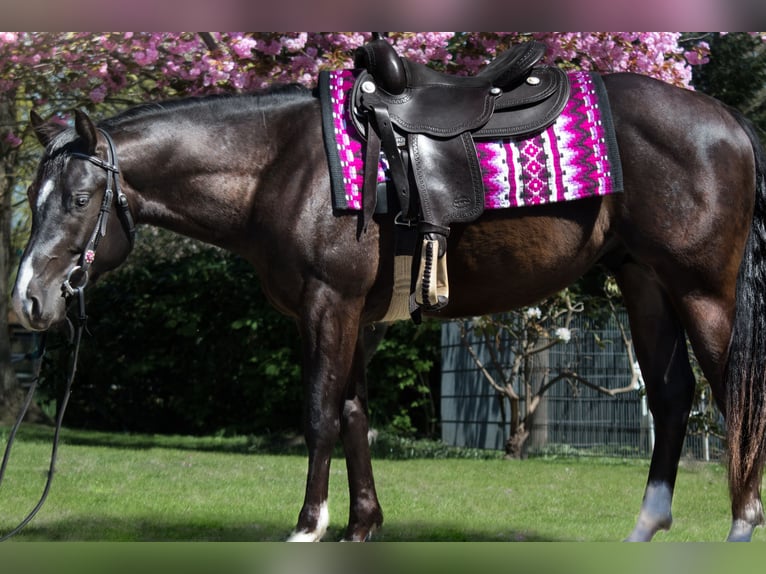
686, 242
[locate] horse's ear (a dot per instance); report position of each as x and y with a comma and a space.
45, 130
86, 129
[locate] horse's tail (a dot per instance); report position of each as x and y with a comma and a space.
745, 375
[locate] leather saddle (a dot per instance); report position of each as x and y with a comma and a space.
426, 122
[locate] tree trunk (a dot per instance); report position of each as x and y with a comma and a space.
514, 445
537, 417
11, 394
7, 159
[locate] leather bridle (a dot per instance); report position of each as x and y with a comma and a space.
113, 190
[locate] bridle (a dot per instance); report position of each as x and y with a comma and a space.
79, 274
113, 189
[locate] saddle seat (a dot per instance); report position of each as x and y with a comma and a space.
426, 122
420, 99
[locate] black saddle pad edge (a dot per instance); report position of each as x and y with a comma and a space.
609, 133
331, 150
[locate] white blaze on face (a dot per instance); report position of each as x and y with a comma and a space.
26, 270
45, 192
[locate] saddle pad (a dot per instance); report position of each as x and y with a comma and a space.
575, 158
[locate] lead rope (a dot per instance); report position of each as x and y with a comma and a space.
77, 330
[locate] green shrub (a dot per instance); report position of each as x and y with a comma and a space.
183, 340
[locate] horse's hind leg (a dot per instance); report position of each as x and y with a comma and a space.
709, 326
660, 345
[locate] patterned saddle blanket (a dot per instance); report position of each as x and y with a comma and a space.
576, 157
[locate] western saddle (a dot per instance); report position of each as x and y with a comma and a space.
426, 122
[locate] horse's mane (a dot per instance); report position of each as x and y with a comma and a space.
275, 95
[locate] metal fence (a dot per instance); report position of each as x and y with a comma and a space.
572, 419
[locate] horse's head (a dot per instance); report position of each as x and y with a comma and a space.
76, 235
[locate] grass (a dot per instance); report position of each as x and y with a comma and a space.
115, 487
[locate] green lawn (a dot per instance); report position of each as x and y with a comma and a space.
111, 487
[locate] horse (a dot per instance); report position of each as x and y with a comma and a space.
685, 240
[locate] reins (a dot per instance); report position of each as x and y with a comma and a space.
79, 275
76, 337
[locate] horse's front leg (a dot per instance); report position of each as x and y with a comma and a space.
329, 328
365, 514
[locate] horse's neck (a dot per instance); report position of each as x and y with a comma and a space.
200, 179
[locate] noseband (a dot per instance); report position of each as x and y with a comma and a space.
112, 187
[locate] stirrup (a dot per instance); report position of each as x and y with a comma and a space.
432, 284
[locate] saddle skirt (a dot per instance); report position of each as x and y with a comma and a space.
575, 157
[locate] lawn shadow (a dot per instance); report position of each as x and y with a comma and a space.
386, 445
156, 529
432, 532
149, 529
273, 443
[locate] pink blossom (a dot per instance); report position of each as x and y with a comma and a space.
694, 58
98, 94
243, 46
100, 66
270, 47
295, 44
12, 139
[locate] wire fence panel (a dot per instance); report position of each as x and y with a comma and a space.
573, 419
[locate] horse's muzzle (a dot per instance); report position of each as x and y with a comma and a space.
32, 312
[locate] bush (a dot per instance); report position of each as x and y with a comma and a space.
186, 346
404, 379
184, 341
394, 446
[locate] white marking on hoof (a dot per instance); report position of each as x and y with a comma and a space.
655, 513
316, 534
742, 528
741, 531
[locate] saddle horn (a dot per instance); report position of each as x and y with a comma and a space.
381, 60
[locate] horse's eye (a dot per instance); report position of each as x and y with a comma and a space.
81, 200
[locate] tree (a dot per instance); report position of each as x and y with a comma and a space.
735, 72
7, 161
55, 72
515, 342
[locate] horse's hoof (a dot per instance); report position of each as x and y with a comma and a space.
304, 537
361, 534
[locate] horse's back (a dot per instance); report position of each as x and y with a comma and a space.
688, 171
688, 199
